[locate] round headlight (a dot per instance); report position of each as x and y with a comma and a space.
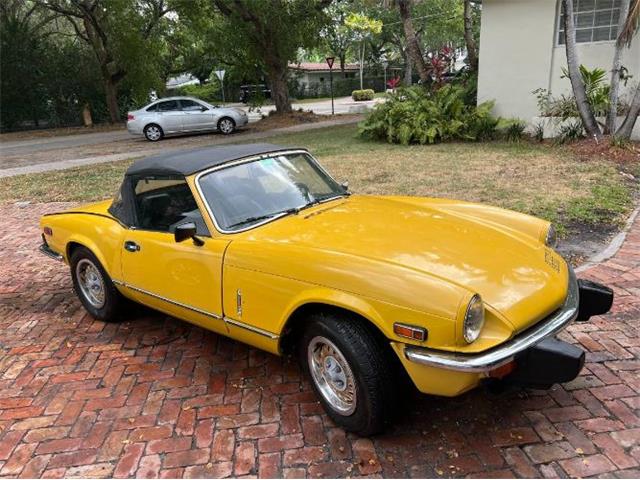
551, 240
473, 319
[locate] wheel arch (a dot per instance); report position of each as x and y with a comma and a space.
80, 241
329, 301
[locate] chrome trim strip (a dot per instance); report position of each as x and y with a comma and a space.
247, 160
173, 302
251, 328
46, 250
502, 354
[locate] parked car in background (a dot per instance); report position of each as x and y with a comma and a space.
259, 243
177, 115
248, 92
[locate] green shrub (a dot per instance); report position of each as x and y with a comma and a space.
512, 130
570, 132
209, 92
416, 115
538, 132
362, 95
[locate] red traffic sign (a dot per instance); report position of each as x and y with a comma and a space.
330, 62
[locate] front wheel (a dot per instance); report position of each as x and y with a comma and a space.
94, 287
226, 125
350, 372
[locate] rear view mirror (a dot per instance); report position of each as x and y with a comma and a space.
186, 231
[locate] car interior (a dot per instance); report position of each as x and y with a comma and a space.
163, 204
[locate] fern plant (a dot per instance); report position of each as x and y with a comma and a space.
415, 115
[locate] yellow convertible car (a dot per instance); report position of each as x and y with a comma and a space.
259, 243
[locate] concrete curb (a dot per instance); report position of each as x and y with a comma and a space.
79, 162
612, 248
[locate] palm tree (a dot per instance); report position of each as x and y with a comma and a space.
626, 33
577, 84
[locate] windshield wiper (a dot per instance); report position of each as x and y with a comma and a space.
289, 211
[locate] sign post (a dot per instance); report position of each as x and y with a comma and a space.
330, 63
220, 75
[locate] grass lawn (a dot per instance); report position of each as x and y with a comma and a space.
540, 179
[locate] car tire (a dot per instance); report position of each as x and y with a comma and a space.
226, 125
153, 132
346, 360
94, 287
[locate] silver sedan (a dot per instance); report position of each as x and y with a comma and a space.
175, 115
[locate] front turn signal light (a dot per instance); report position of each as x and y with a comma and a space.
410, 331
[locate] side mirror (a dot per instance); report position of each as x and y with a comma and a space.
186, 231
203, 108
345, 185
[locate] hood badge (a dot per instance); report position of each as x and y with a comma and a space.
551, 260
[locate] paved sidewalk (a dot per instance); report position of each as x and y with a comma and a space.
158, 397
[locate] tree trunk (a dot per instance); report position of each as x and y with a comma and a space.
472, 49
584, 108
614, 92
361, 64
408, 70
624, 132
112, 100
413, 46
279, 88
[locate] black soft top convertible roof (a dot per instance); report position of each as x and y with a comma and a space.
184, 163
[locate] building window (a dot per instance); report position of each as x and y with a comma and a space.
595, 21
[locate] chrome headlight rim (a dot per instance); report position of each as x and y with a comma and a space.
474, 318
551, 237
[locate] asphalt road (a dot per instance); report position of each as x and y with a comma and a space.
31, 146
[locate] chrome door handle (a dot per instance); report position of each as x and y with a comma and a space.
131, 246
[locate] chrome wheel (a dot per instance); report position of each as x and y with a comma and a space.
332, 375
153, 133
91, 283
226, 125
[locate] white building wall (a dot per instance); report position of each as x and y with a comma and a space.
518, 54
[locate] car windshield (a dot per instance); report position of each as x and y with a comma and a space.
247, 194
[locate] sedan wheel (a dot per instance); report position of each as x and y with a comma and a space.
153, 133
226, 126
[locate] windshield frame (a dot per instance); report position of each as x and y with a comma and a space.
255, 158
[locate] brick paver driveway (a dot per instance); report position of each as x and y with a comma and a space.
156, 397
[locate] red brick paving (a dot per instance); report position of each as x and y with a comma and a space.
157, 397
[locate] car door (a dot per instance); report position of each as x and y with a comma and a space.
182, 279
170, 116
197, 116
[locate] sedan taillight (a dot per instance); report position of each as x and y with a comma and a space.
130, 117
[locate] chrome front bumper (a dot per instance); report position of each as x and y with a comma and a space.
506, 352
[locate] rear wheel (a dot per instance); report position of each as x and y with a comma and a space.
226, 125
350, 372
93, 286
153, 132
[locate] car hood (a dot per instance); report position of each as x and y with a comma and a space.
515, 274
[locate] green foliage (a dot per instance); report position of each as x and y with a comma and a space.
564, 106
570, 132
209, 92
362, 95
538, 131
512, 130
415, 115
